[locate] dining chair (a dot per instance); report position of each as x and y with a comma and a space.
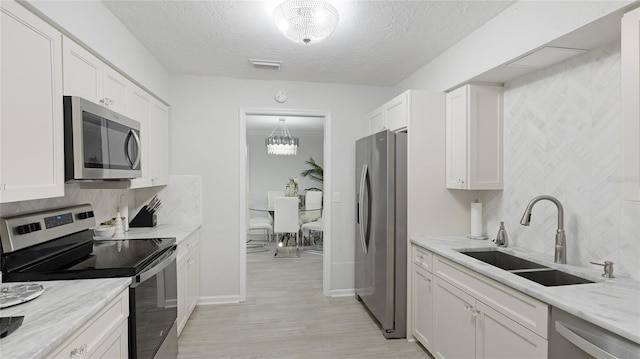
313, 231
285, 223
255, 224
254, 213
271, 195
312, 207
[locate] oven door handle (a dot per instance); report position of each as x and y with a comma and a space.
151, 272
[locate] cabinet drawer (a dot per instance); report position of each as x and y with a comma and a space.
187, 245
528, 312
91, 335
423, 258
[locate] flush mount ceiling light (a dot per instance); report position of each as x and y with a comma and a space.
306, 21
283, 144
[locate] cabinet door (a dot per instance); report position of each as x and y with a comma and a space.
456, 138
454, 322
115, 346
139, 109
182, 292
397, 111
630, 58
115, 90
423, 306
377, 121
158, 151
31, 125
82, 72
500, 337
484, 151
193, 280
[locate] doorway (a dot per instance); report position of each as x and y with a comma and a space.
247, 124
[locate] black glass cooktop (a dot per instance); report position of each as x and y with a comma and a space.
107, 259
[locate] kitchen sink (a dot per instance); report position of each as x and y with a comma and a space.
503, 260
552, 277
527, 269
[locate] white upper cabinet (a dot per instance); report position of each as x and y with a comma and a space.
630, 59
397, 113
154, 119
31, 125
474, 138
140, 109
158, 151
393, 115
87, 76
377, 121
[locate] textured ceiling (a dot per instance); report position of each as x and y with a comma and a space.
376, 42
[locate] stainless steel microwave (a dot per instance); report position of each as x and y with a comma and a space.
99, 144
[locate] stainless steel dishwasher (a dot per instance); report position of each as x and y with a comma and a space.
575, 338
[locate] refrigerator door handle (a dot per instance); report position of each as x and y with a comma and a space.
361, 207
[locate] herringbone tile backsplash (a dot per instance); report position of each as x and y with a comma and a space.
562, 137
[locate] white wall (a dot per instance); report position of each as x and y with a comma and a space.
563, 131
204, 133
269, 172
94, 25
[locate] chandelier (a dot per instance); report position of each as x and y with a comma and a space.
283, 144
306, 21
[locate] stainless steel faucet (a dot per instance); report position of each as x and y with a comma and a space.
561, 239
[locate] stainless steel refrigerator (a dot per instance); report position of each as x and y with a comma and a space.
381, 229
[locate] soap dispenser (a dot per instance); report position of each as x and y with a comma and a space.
502, 239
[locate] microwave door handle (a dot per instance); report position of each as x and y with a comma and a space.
135, 162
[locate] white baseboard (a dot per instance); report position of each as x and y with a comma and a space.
342, 292
221, 299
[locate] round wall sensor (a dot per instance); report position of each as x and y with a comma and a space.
281, 96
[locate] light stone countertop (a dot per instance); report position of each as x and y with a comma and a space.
179, 231
613, 304
54, 316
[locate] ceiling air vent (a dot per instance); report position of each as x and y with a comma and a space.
545, 56
265, 64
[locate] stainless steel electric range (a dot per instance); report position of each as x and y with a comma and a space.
58, 244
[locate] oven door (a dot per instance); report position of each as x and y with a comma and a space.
153, 300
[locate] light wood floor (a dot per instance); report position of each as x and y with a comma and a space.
287, 316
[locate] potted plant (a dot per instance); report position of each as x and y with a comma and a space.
315, 172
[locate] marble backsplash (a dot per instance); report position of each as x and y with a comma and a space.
562, 137
181, 201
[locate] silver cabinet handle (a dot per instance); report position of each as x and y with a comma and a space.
582, 343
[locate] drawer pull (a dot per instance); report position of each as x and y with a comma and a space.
79, 352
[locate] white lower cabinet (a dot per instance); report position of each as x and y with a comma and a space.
103, 336
500, 337
423, 306
458, 313
454, 322
188, 279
